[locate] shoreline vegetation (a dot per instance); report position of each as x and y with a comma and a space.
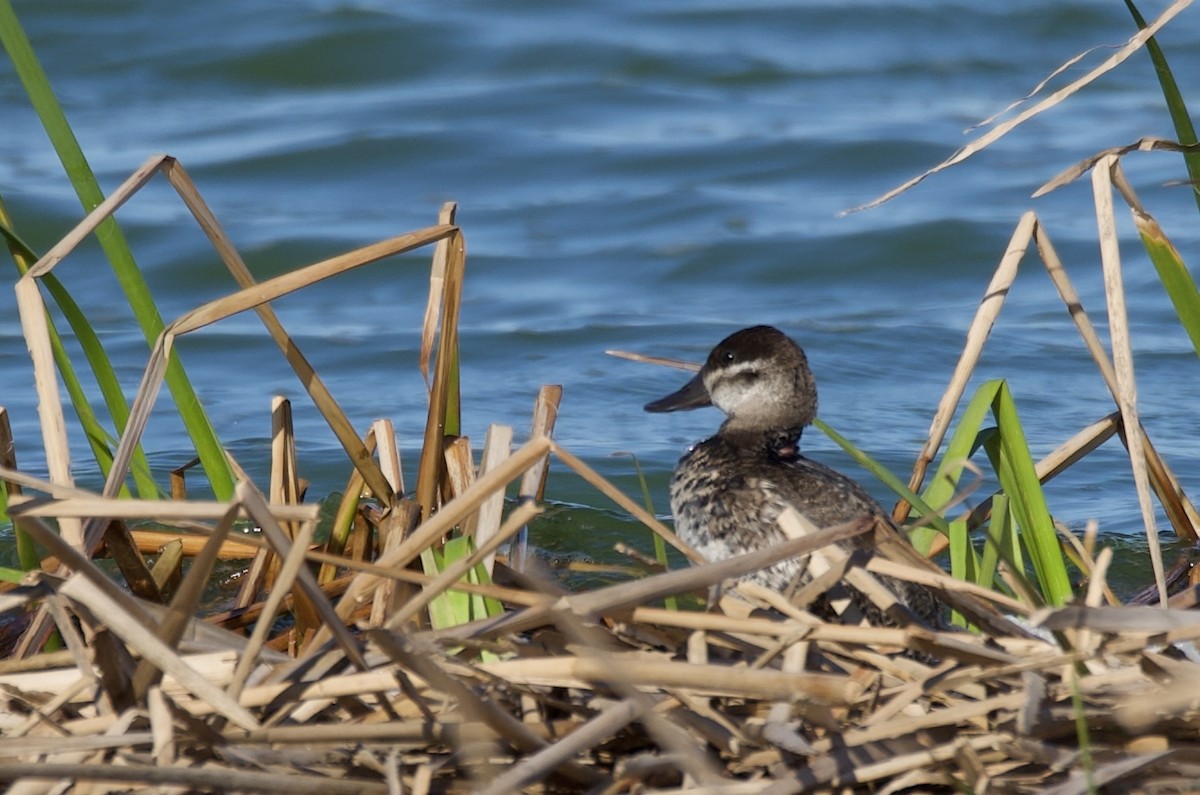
419, 649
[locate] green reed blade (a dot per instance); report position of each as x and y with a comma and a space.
11, 575
452, 607
483, 606
944, 484
660, 546
1019, 480
113, 242
441, 612
453, 398
1083, 735
1185, 131
458, 602
1174, 275
1000, 537
1020, 504
961, 558
885, 476
27, 553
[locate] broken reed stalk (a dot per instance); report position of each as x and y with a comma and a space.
1179, 509
497, 446
443, 416
428, 532
312, 382
252, 296
87, 536
977, 334
533, 484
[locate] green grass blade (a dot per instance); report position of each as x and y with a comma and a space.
999, 538
1082, 734
1185, 131
26, 549
112, 241
459, 602
1018, 478
441, 609
1174, 275
453, 399
945, 481
963, 562
452, 607
966, 438
660, 546
11, 575
1012, 541
887, 478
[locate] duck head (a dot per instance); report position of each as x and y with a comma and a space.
758, 376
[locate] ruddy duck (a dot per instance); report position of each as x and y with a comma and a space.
729, 490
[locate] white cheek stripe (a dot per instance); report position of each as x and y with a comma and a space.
737, 368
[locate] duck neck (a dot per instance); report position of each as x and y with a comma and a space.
783, 443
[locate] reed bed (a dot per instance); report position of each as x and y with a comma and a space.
602, 691
420, 649
378, 661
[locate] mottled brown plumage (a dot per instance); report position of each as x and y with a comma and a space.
729, 490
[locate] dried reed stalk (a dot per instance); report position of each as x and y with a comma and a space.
977, 334
1114, 290
497, 446
1135, 43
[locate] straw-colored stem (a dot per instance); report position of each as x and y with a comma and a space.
306, 581
437, 287
539, 765
497, 446
187, 599
54, 430
308, 377
1110, 258
1179, 509
977, 335
1135, 43
428, 532
443, 390
287, 577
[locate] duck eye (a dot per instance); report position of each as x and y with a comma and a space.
727, 356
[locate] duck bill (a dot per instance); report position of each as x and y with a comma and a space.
693, 395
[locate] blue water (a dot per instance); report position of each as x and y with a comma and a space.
636, 176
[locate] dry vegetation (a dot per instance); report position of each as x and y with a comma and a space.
603, 691
347, 666
594, 691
